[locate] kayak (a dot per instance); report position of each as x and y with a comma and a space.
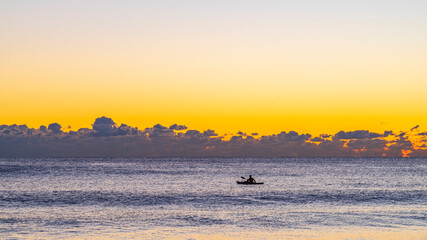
248, 183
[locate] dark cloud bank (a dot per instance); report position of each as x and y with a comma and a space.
106, 139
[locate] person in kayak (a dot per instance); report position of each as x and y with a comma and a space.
251, 179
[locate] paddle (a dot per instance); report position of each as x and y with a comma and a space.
243, 178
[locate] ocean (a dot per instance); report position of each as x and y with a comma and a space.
198, 198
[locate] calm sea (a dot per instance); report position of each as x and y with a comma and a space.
179, 198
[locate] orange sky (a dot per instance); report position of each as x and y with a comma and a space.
256, 67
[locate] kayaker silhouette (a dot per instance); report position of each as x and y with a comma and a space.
251, 179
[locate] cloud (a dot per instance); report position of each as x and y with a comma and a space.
317, 139
293, 136
412, 129
55, 128
158, 126
107, 139
43, 128
193, 133
127, 130
209, 133
360, 134
178, 127
234, 139
249, 138
159, 131
388, 133
325, 135
83, 132
402, 134
104, 126
367, 145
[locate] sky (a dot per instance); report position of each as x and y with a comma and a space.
316, 67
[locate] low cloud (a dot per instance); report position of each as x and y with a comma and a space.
210, 133
108, 139
55, 128
360, 134
104, 126
178, 127
414, 128
193, 133
317, 139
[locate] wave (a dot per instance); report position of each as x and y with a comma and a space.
113, 198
